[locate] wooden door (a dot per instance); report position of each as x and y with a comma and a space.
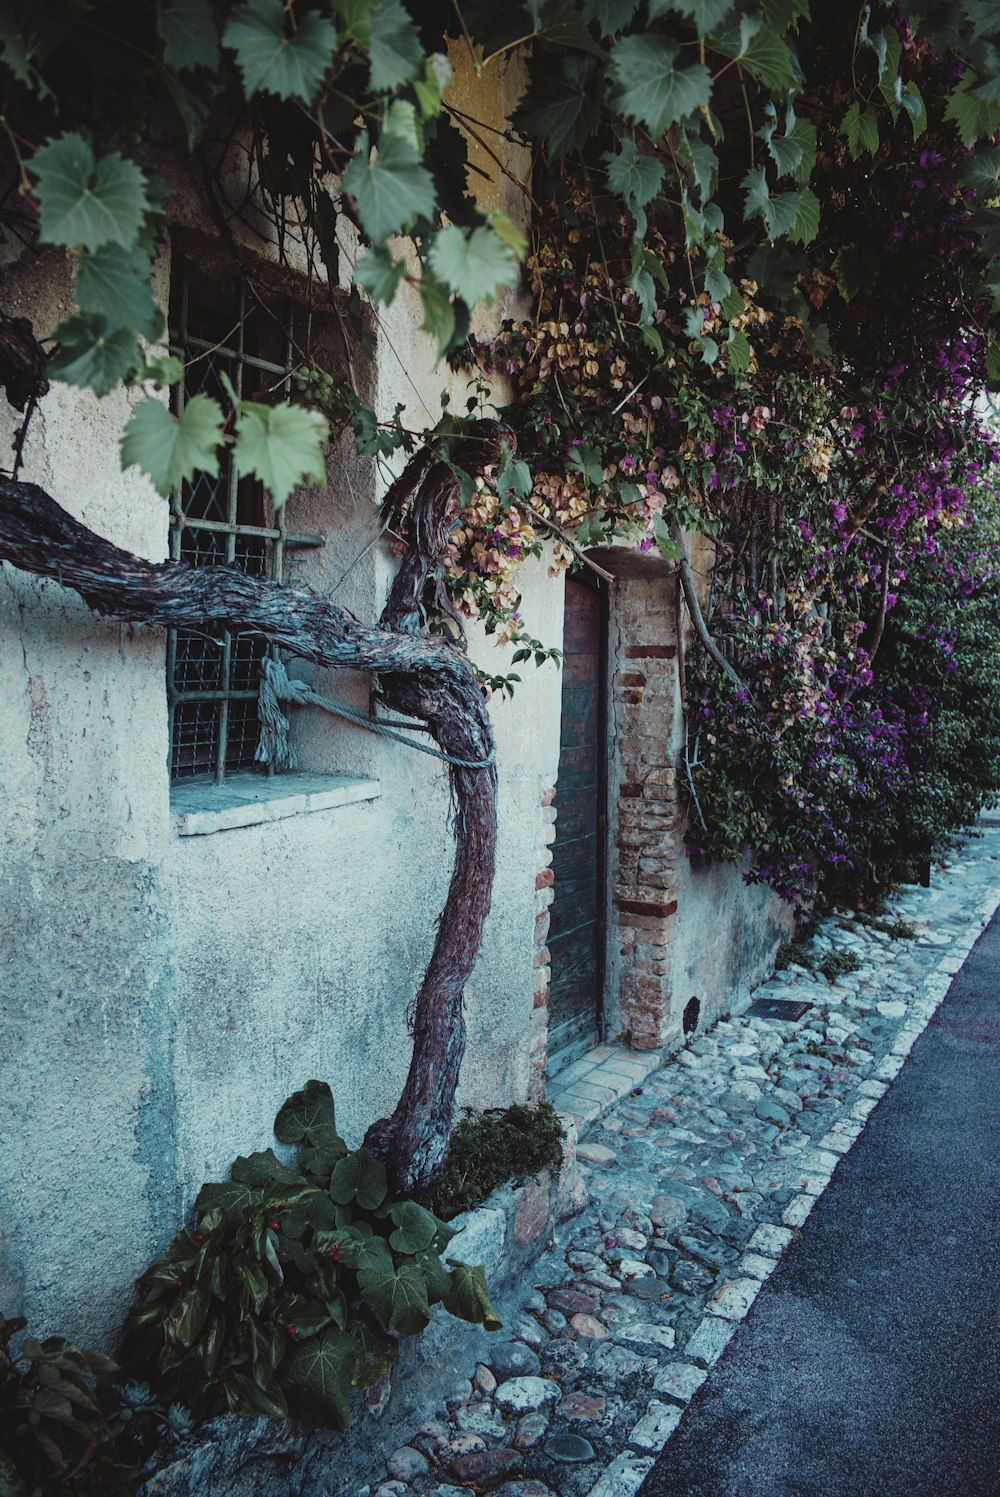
576, 932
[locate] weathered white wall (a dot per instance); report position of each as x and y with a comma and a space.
161, 995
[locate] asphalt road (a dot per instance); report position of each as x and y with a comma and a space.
870, 1364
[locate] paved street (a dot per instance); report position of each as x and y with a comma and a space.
871, 1361
859, 1363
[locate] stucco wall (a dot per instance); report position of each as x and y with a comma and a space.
161, 995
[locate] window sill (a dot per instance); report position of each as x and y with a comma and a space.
252, 800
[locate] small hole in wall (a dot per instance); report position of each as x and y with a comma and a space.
692, 1011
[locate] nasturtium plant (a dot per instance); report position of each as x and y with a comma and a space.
296, 1282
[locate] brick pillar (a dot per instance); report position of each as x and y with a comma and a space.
540, 958
643, 808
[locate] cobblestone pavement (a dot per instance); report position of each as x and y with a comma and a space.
698, 1179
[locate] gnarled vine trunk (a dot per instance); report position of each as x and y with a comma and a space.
426, 677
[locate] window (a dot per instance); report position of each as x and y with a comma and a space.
223, 520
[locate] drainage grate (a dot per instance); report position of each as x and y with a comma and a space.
777, 1008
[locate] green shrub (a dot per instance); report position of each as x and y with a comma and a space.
489, 1148
837, 963
296, 1284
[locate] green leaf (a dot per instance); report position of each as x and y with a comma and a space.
85, 201
781, 213
860, 129
766, 56
635, 177
513, 478
439, 314
274, 58
187, 30
754, 185
117, 284
254, 1281
16, 52
911, 99
641, 283
235, 1198
469, 1296
982, 171
93, 353
319, 1372
609, 16
188, 1315
394, 50
415, 1227
171, 449
974, 118
511, 233
738, 351
438, 74
392, 191
244, 1395
558, 109
587, 460
398, 1297
703, 161
560, 24
261, 1169
474, 266
705, 14
806, 225
282, 445
303, 1317
162, 370
665, 543
359, 1177
717, 285
308, 1114
651, 89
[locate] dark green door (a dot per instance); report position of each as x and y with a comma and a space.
576, 932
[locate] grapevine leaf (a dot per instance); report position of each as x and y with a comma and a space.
738, 349
804, 134
400, 119
392, 190
705, 14
982, 171
665, 542
641, 283
860, 129
786, 152
510, 232
273, 60
162, 370
397, 1296
559, 106
428, 89
560, 23
469, 1296
513, 478
912, 101
86, 201
717, 284
702, 160
319, 1371
171, 449
609, 16
92, 352
377, 273
16, 53
782, 14
781, 213
187, 29
973, 117
282, 445
475, 266
635, 177
651, 89
754, 184
439, 314
764, 53
394, 50
117, 284
709, 350
806, 225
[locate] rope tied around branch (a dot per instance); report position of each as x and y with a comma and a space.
274, 745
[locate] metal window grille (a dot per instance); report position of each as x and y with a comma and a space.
223, 520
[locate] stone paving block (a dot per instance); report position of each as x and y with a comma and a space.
770, 1239
624, 1476
647, 1333
710, 1340
756, 1265
797, 1210
734, 1299
656, 1426
679, 1380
